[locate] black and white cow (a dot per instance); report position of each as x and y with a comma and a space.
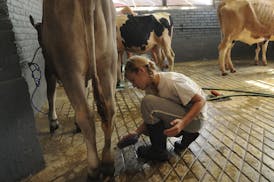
145, 33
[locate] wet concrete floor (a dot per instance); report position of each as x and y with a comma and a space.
236, 143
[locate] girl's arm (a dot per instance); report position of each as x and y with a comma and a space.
180, 123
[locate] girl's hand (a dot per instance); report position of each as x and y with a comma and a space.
175, 129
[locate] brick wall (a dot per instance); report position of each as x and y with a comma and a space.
196, 34
26, 43
20, 151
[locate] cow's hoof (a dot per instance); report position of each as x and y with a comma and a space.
265, 64
108, 169
120, 85
54, 125
233, 71
77, 128
224, 74
94, 176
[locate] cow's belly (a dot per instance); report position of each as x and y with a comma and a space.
139, 50
144, 46
246, 37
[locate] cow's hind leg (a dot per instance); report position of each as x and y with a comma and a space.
51, 88
228, 58
104, 94
75, 89
264, 49
155, 53
170, 56
223, 49
120, 68
158, 56
104, 79
257, 52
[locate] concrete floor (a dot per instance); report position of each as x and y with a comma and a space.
236, 144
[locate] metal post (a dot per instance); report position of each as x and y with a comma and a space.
164, 2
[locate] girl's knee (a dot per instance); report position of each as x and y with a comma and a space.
148, 100
147, 103
147, 106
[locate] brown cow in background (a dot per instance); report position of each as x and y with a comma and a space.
69, 32
248, 21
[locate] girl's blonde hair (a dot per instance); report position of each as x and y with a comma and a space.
136, 62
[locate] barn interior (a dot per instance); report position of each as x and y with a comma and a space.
236, 143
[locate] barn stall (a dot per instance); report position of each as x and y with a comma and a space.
236, 144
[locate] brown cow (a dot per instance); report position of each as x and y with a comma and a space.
79, 43
144, 33
248, 21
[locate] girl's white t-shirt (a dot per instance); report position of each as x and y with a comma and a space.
179, 89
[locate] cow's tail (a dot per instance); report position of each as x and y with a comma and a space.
90, 42
88, 11
88, 16
31, 20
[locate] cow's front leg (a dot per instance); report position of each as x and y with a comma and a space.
228, 59
223, 48
257, 52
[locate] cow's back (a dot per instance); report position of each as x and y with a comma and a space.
264, 12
